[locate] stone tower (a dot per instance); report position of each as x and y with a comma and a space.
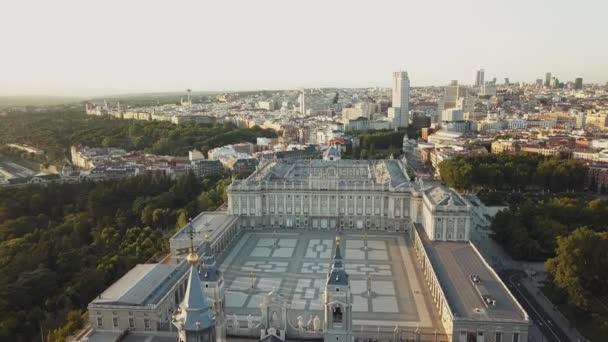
338, 301
212, 281
195, 319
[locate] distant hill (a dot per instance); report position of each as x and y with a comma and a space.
36, 100
149, 99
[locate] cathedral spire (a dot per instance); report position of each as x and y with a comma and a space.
337, 274
337, 301
338, 253
337, 262
195, 317
192, 258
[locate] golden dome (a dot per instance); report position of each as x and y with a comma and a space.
192, 259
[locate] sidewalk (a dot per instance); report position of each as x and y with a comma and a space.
555, 315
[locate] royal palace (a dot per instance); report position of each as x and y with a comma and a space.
347, 250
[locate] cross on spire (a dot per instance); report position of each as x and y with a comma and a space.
191, 235
192, 258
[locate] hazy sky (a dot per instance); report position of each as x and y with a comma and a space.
98, 47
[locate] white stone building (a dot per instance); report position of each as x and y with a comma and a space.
447, 215
345, 194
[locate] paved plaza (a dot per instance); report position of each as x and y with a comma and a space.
387, 289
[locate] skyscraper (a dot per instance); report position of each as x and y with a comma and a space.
452, 93
399, 112
455, 97
302, 101
480, 77
548, 80
578, 83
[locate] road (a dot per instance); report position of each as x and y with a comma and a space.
511, 272
537, 313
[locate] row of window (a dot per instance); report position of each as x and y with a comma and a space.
331, 196
115, 323
377, 198
468, 336
342, 210
449, 236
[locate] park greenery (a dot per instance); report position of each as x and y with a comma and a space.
56, 129
549, 218
62, 244
381, 144
579, 280
525, 172
571, 234
530, 230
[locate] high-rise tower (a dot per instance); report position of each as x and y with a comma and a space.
480, 77
548, 80
338, 301
399, 112
302, 101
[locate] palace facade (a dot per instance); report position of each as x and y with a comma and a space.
345, 194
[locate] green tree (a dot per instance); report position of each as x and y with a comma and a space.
182, 218
580, 265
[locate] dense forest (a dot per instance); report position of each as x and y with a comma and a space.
62, 244
58, 128
510, 172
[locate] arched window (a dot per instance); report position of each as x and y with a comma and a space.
337, 314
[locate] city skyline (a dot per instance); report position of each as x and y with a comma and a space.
72, 48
